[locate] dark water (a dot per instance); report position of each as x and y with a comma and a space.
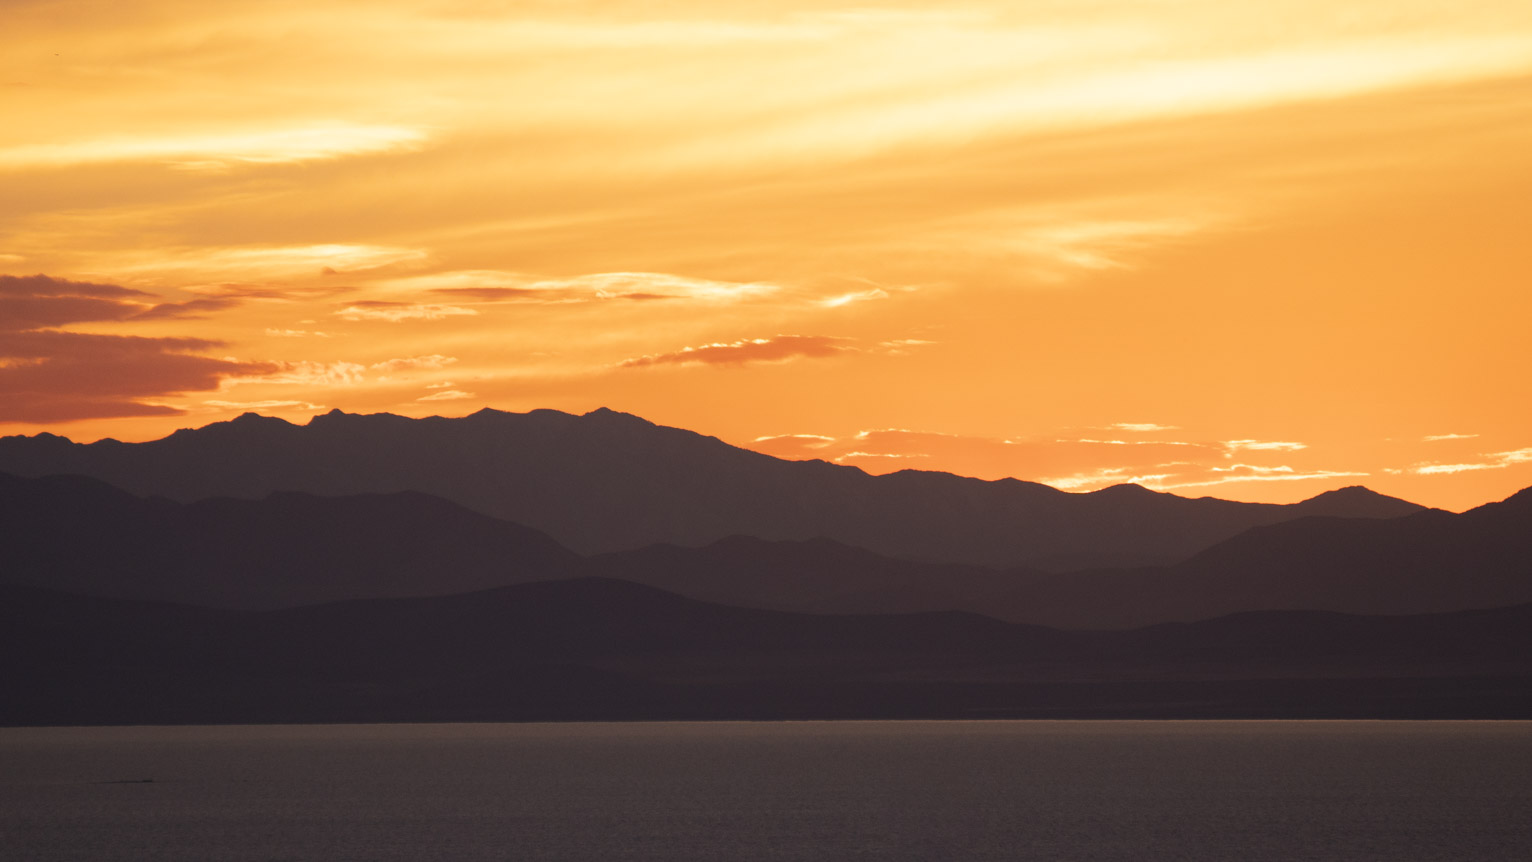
779, 791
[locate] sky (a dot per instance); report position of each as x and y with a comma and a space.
1247, 251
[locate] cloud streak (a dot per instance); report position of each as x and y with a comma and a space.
394, 312
48, 374
780, 348
221, 151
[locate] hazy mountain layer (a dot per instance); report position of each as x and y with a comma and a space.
78, 534
608, 481
601, 649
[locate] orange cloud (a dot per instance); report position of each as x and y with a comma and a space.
1494, 461
446, 395
781, 348
51, 375
433, 361
394, 312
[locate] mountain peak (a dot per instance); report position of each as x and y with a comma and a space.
251, 418
1127, 489
1357, 501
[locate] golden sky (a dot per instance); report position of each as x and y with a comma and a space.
1253, 251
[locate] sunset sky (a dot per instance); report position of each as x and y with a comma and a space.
1253, 251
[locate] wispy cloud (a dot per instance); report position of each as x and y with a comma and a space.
857, 296
493, 286
393, 312
1262, 446
49, 374
256, 263
433, 361
446, 395
305, 373
220, 151
1068, 463
1435, 438
1492, 461
270, 404
780, 348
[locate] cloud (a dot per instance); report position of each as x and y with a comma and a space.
494, 286
62, 376
1142, 427
271, 293
1495, 461
858, 455
296, 333
221, 151
446, 395
1245, 473
1262, 446
305, 374
781, 348
51, 375
1435, 438
433, 361
188, 308
256, 263
793, 446
856, 296
40, 302
1073, 464
492, 294
393, 312
263, 405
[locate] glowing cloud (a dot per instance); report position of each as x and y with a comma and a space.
1262, 446
433, 361
1496, 461
305, 373
393, 312
781, 348
219, 151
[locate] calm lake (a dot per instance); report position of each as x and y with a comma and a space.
772, 791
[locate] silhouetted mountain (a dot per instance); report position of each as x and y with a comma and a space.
609, 481
1354, 501
1429, 562
815, 576
602, 649
79, 534
288, 549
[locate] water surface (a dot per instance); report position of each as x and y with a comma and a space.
772, 791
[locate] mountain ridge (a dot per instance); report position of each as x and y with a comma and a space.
609, 481
293, 548
597, 649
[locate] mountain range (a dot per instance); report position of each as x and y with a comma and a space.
81, 535
597, 649
609, 481
549, 566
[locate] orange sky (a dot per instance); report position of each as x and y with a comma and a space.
1253, 253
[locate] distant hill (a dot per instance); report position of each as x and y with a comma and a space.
1428, 562
597, 649
609, 481
79, 534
